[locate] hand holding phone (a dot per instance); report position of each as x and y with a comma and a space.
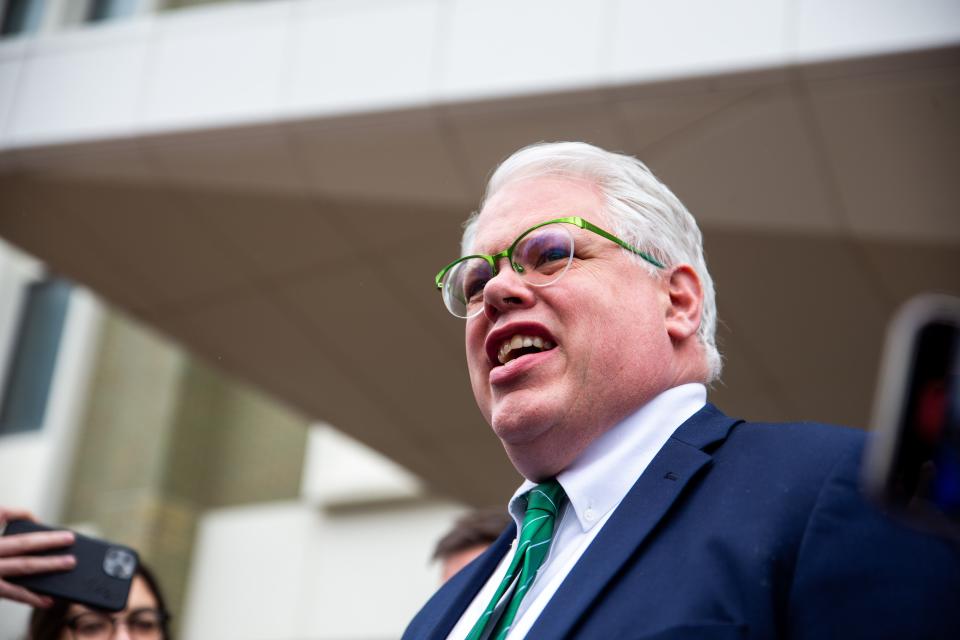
102, 576
16, 557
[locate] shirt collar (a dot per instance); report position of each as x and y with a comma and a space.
605, 471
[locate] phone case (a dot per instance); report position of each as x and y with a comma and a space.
101, 578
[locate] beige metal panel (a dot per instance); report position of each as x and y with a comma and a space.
276, 235
484, 133
256, 158
111, 161
661, 114
809, 313
905, 269
401, 157
386, 350
406, 246
412, 272
750, 165
48, 219
251, 337
469, 460
746, 388
155, 234
367, 324
892, 139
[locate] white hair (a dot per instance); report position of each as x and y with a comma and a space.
644, 211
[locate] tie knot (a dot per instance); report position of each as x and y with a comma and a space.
546, 497
533, 544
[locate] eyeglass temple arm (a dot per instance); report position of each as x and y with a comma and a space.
583, 224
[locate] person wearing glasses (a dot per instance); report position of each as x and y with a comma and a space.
589, 320
144, 618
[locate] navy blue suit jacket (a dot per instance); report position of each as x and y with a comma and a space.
740, 530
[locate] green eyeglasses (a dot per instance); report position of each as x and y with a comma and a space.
541, 254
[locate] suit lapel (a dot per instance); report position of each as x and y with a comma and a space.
459, 592
677, 463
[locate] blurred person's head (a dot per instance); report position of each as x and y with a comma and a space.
470, 535
144, 618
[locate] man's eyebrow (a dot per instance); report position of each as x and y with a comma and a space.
485, 250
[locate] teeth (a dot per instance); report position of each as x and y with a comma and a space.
520, 342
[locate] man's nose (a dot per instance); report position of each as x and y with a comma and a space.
122, 632
506, 290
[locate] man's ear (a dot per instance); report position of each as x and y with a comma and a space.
686, 303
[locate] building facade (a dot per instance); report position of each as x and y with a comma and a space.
228, 215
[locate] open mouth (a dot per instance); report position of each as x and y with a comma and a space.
521, 345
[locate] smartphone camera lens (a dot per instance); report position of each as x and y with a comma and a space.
119, 563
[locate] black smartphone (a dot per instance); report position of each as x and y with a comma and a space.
101, 578
912, 465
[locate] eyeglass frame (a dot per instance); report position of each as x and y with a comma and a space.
163, 618
577, 221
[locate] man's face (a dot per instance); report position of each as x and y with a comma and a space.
605, 316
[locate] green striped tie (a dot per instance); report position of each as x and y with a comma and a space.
543, 505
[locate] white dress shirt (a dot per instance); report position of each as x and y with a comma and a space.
595, 484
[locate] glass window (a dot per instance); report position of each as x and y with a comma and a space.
180, 4
21, 16
108, 9
34, 356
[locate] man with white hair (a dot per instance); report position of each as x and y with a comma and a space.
646, 512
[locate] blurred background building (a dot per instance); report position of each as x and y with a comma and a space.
219, 341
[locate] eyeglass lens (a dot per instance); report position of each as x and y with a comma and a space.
540, 257
144, 624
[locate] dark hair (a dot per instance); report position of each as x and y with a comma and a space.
477, 528
46, 624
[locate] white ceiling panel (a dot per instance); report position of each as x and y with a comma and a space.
696, 37
489, 48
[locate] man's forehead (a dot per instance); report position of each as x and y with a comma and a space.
500, 225
526, 202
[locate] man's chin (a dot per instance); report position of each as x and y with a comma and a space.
518, 427
536, 461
